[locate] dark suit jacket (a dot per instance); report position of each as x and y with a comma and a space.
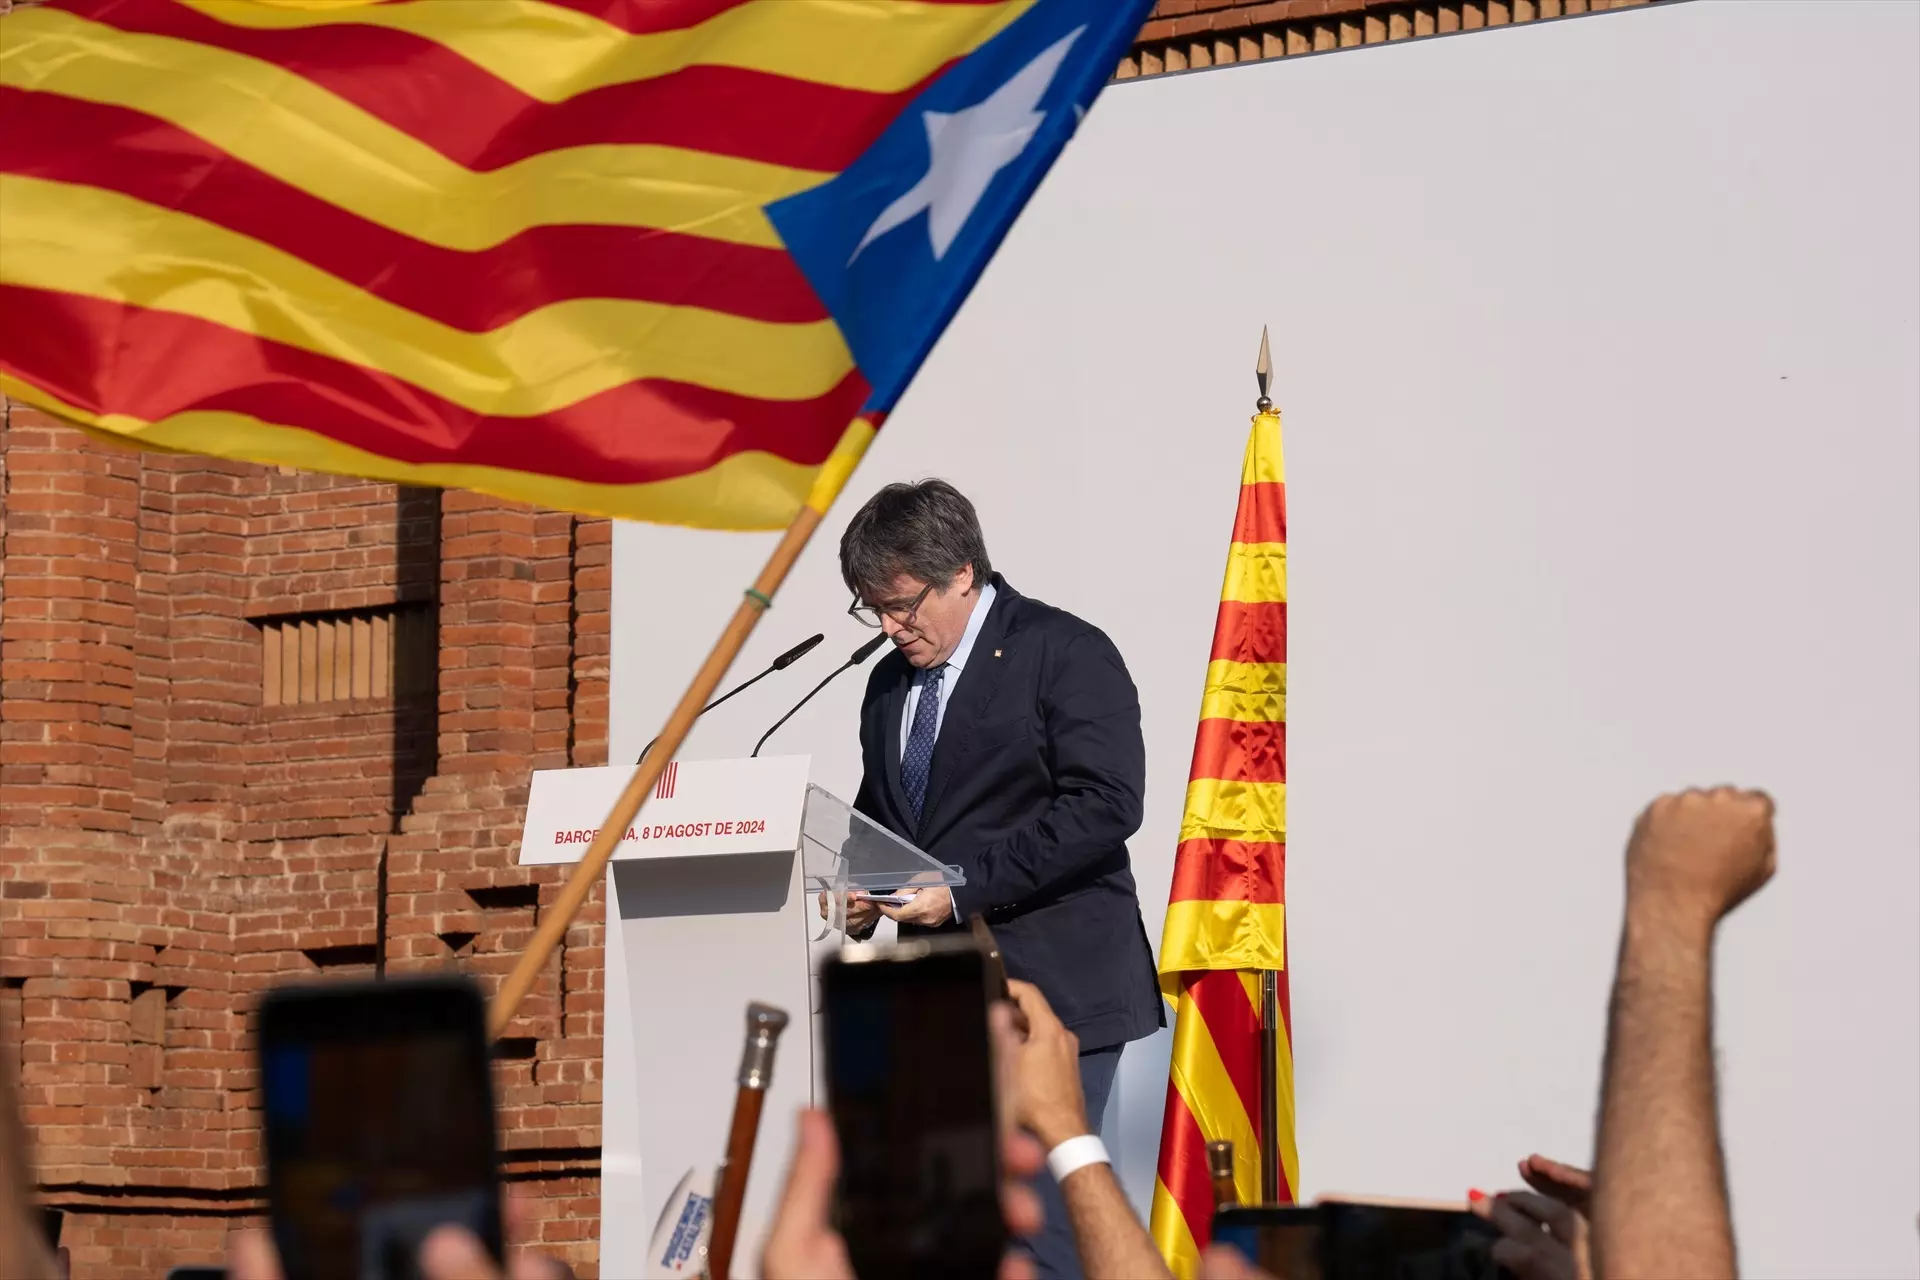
1036, 784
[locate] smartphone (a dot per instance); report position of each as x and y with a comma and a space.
378, 1106
1282, 1240
1357, 1240
996, 965
910, 1086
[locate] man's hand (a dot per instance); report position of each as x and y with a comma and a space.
803, 1244
928, 908
861, 914
1571, 1186
1697, 855
1540, 1238
1046, 1072
1223, 1263
449, 1253
452, 1253
1543, 1235
1040, 1091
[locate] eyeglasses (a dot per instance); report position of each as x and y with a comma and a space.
870, 615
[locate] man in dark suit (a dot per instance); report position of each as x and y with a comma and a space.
1002, 735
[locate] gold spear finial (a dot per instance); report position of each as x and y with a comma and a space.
1263, 371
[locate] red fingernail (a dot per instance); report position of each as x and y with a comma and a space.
1476, 1194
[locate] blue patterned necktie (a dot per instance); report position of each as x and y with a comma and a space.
917, 761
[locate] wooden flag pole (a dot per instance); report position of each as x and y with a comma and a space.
557, 919
1269, 1090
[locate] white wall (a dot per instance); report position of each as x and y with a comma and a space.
1597, 345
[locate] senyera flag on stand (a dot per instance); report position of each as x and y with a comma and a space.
1226, 912
663, 259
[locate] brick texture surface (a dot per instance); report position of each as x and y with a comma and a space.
1188, 35
171, 844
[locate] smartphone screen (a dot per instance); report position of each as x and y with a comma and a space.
910, 1076
379, 1123
1343, 1240
1283, 1240
1360, 1239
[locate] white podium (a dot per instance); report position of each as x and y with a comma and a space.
711, 904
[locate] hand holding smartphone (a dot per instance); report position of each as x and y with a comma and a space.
379, 1124
1359, 1240
911, 1085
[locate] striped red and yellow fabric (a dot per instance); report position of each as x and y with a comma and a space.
1226, 913
456, 244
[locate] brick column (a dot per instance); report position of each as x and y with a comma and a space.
66, 641
505, 682
68, 865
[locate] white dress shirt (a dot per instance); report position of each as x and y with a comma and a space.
954, 666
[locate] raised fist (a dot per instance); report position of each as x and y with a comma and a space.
1700, 853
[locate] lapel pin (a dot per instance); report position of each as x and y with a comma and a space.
996, 653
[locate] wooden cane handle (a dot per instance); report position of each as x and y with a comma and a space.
1220, 1169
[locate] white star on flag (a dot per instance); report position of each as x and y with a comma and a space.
969, 147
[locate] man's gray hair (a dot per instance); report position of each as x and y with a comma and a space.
927, 531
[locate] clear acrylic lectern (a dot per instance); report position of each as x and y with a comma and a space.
843, 851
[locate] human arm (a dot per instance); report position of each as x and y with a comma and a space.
1660, 1195
1112, 1242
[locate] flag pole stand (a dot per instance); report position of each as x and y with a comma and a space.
1269, 1087
558, 918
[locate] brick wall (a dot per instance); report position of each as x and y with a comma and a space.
171, 842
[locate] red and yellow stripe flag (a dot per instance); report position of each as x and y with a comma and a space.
582, 253
1226, 913
471, 244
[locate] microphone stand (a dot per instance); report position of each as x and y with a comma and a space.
860, 655
780, 663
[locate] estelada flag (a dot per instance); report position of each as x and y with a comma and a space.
665, 259
1226, 912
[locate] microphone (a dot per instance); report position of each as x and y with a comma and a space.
780, 663
784, 661
860, 655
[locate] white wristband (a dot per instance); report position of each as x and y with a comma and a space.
1076, 1154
